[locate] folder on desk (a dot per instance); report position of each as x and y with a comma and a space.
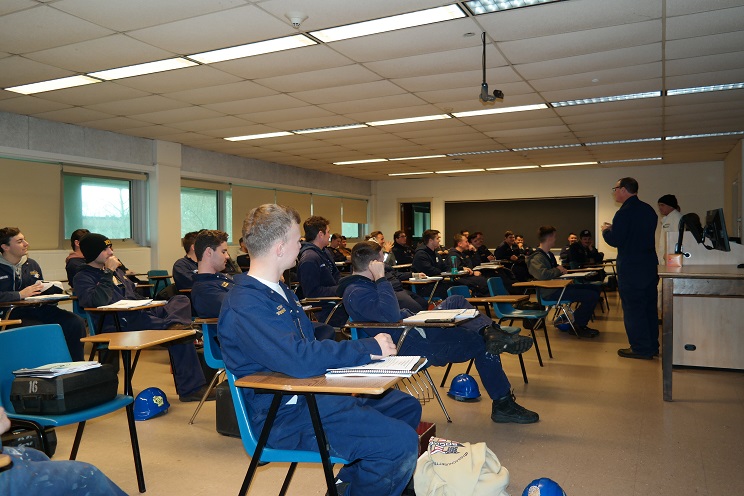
572, 275
392, 366
129, 304
441, 316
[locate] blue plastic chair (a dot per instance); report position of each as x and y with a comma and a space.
27, 347
97, 347
212, 355
504, 311
156, 282
564, 308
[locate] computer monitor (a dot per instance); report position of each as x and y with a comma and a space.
715, 230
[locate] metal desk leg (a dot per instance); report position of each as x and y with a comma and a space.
262, 439
667, 336
126, 356
323, 446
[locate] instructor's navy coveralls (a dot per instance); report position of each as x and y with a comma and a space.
633, 233
370, 301
263, 331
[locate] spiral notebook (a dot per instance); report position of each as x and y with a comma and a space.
392, 366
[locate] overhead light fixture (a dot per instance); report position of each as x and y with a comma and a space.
460, 171
407, 120
259, 136
328, 128
481, 152
366, 161
513, 167
252, 49
478, 7
622, 142
53, 84
142, 69
392, 23
606, 99
569, 164
410, 173
704, 135
500, 110
418, 158
705, 89
545, 147
647, 159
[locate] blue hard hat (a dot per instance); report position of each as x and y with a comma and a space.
150, 403
464, 388
543, 487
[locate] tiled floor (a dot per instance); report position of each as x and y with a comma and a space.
604, 430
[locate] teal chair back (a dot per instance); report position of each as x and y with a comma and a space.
157, 284
212, 351
496, 287
460, 290
78, 310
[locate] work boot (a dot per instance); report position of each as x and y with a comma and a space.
506, 409
498, 341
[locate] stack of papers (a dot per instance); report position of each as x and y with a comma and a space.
52, 297
441, 316
128, 304
578, 274
392, 366
432, 278
56, 369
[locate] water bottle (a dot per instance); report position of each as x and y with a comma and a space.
453, 262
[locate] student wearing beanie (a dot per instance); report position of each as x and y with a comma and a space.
670, 217
102, 282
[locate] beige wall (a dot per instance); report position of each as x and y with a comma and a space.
698, 187
733, 193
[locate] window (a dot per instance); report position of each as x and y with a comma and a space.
353, 231
100, 205
198, 209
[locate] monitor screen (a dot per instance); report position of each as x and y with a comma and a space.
715, 230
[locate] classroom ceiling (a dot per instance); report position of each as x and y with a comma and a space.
568, 50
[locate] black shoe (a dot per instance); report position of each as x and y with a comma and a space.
198, 394
498, 341
587, 332
340, 487
629, 353
506, 409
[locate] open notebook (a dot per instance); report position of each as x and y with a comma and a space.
441, 316
392, 366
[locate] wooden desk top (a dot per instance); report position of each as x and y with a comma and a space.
138, 340
400, 325
321, 384
143, 307
4, 323
499, 299
702, 272
321, 298
549, 284
206, 321
430, 280
31, 303
402, 266
159, 278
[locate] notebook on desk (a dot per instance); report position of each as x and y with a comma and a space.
392, 366
441, 316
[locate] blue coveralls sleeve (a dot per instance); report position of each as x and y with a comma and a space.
617, 235
373, 302
95, 287
311, 275
422, 262
183, 275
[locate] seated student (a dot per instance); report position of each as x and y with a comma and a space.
482, 253
428, 260
524, 250
387, 247
368, 297
572, 238
508, 251
585, 253
102, 282
75, 260
333, 250
264, 329
32, 473
464, 261
20, 277
403, 253
343, 249
543, 266
185, 268
316, 272
211, 285
243, 259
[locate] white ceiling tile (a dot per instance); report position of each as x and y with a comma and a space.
16, 70
44, 27
150, 131
705, 45
314, 122
262, 104
114, 123
350, 93
705, 23
92, 94
605, 77
29, 105
244, 131
706, 78
221, 93
179, 79
141, 105
209, 123
129, 15
693, 65
364, 102
273, 116
176, 115
458, 79
305, 59
464, 59
8, 6
325, 78
73, 115
236, 26
682, 7
604, 90
395, 113
116, 50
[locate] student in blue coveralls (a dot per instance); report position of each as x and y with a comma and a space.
317, 273
262, 328
185, 268
633, 232
20, 277
463, 257
369, 297
427, 259
102, 282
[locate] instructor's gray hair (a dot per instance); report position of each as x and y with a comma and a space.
265, 225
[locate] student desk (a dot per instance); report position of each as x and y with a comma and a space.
280, 384
7, 322
115, 313
487, 301
552, 284
402, 266
53, 300
424, 282
126, 342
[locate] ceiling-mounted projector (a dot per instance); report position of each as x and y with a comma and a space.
485, 97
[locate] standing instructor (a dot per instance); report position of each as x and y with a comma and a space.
632, 232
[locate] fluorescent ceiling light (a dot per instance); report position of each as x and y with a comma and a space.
569, 164
502, 110
622, 142
705, 135
367, 161
259, 136
478, 7
460, 171
545, 147
53, 84
406, 120
392, 23
141, 69
328, 128
251, 49
409, 173
704, 89
482, 152
605, 99
630, 160
418, 158
513, 168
